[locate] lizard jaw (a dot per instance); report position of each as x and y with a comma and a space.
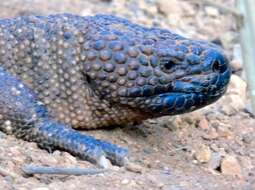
187, 97
181, 97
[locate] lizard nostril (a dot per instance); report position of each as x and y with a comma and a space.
216, 61
217, 66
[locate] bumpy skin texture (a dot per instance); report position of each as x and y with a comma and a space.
65, 71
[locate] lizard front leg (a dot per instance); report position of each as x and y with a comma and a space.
27, 118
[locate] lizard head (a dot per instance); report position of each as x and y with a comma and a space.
154, 71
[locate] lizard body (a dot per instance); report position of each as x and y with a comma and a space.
63, 71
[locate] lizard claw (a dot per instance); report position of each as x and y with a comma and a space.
104, 162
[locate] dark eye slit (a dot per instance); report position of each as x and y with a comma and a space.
168, 64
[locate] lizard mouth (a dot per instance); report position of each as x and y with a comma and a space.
186, 97
181, 102
182, 96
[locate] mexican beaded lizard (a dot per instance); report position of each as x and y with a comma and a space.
62, 71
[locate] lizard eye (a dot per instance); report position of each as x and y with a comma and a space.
88, 79
167, 64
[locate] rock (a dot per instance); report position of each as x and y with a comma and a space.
125, 182
231, 166
203, 154
6, 185
247, 164
175, 123
215, 123
195, 116
160, 185
130, 166
211, 11
237, 61
87, 12
203, 124
151, 9
69, 160
235, 104
188, 9
215, 161
236, 97
248, 138
228, 38
228, 110
167, 7
223, 131
238, 86
236, 65
171, 9
211, 134
46, 159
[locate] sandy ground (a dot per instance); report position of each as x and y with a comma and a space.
212, 148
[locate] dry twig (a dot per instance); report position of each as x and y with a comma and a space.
31, 169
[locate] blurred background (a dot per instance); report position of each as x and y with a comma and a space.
214, 21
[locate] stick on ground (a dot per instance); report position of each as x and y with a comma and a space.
31, 169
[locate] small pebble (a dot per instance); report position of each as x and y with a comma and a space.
237, 61
134, 167
167, 7
231, 166
160, 185
124, 181
215, 161
203, 124
211, 11
211, 134
224, 132
248, 138
238, 86
203, 154
236, 64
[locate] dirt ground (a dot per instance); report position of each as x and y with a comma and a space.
212, 148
